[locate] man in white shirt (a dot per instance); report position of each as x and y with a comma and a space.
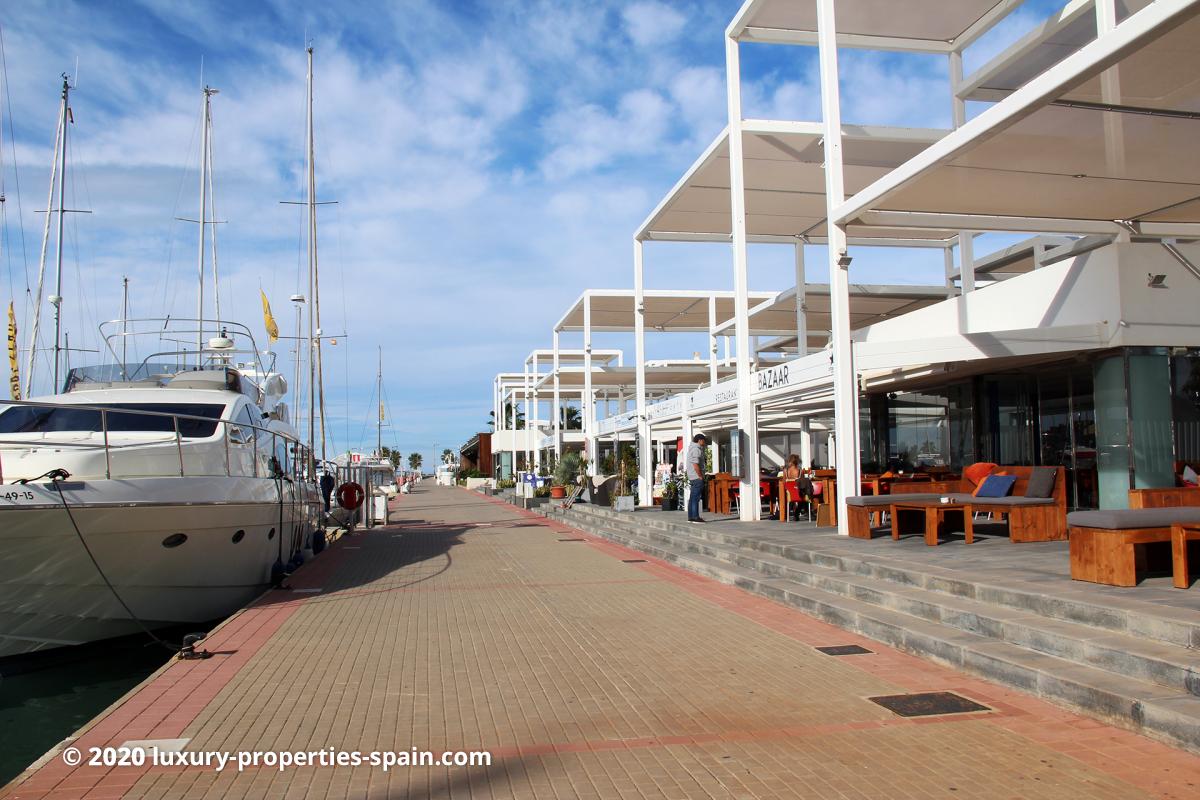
694, 468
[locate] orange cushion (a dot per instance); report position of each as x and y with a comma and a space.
978, 471
980, 486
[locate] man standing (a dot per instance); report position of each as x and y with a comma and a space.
694, 467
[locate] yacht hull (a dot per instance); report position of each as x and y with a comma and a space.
175, 550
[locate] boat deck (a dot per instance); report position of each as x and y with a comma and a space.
585, 669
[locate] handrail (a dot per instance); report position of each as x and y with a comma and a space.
107, 452
299, 451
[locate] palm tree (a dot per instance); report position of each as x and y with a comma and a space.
569, 418
414, 462
509, 411
447, 456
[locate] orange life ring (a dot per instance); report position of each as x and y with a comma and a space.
350, 496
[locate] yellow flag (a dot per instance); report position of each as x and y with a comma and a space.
381, 412
14, 379
268, 320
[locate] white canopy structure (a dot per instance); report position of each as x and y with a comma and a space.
1092, 135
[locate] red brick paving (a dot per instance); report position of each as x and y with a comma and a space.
639, 727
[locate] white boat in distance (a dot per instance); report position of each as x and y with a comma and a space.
165, 488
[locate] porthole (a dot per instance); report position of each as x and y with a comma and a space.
271, 533
174, 540
237, 537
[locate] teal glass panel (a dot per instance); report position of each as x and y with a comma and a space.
1150, 405
1112, 432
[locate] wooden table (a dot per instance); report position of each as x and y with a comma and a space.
935, 517
1180, 536
718, 495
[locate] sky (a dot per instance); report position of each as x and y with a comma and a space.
485, 162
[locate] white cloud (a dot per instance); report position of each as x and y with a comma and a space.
651, 24
588, 137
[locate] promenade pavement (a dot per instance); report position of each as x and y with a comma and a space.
586, 670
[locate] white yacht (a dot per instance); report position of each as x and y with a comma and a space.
159, 491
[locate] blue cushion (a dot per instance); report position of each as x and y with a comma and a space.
996, 486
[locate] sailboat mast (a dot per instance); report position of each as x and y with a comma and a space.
313, 335
379, 424
62, 199
124, 324
212, 228
319, 386
204, 125
41, 281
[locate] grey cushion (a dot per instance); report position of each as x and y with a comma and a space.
1126, 518
873, 500
1041, 482
1011, 501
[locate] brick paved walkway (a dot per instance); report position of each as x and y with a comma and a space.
470, 625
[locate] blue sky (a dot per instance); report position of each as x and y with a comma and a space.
490, 160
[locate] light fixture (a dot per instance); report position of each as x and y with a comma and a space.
1156, 281
844, 260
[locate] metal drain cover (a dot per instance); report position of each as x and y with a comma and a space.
633, 561
844, 650
572, 540
927, 704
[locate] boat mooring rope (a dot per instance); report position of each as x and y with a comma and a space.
58, 475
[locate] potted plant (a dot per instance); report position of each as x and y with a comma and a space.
673, 491
566, 472
627, 473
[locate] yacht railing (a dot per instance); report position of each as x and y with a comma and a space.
297, 462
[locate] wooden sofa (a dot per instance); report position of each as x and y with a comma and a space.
1173, 497
1109, 546
1034, 521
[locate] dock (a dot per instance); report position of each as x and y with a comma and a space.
582, 668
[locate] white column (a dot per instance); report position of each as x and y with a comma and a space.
966, 252
535, 433
588, 410
680, 464
948, 262
528, 416
556, 406
966, 261
1110, 92
645, 472
806, 443
712, 340
749, 511
801, 301
511, 400
845, 388
958, 107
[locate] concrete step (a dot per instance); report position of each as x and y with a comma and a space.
1172, 666
1042, 656
1143, 620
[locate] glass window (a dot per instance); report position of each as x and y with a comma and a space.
1185, 405
34, 419
1006, 420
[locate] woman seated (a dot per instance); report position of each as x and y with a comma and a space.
798, 488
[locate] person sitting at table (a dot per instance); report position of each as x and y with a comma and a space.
793, 476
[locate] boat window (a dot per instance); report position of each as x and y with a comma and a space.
122, 418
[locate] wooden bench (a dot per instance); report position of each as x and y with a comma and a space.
1033, 522
1173, 497
1109, 546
